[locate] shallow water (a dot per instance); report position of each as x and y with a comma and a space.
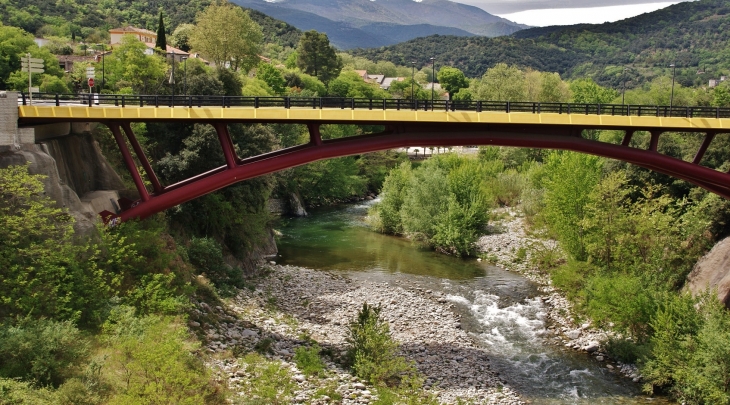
500, 309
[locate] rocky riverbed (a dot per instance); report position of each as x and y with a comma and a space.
503, 245
291, 306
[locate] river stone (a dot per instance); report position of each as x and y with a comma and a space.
591, 347
573, 334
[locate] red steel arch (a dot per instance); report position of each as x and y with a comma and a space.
397, 136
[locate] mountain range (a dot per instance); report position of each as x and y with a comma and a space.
375, 23
695, 36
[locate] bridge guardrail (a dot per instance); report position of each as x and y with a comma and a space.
190, 101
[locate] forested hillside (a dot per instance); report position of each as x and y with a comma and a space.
89, 20
474, 55
694, 35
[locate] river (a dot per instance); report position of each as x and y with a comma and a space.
501, 310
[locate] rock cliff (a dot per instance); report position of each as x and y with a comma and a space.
713, 271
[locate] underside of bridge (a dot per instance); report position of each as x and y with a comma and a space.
396, 135
563, 127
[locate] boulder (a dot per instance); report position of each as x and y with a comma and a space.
712, 271
296, 207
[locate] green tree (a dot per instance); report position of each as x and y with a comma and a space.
570, 178
388, 211
501, 83
350, 84
226, 34
721, 95
452, 80
272, 76
180, 38
129, 66
588, 92
553, 89
161, 42
315, 56
44, 272
14, 42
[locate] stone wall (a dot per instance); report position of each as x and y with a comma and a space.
10, 134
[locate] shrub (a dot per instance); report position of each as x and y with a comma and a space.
43, 272
151, 361
155, 293
308, 360
691, 350
41, 351
372, 352
207, 256
14, 392
627, 350
270, 383
441, 204
569, 179
627, 301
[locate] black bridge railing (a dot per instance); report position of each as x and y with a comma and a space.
121, 100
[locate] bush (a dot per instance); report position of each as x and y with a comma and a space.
627, 301
151, 361
270, 383
691, 350
308, 360
207, 256
372, 352
14, 392
627, 350
41, 351
441, 204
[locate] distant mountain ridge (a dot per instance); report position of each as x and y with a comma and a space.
366, 24
693, 35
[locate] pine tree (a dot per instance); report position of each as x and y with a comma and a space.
161, 40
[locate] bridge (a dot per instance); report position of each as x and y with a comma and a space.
406, 123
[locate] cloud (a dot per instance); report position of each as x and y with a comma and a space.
570, 16
513, 6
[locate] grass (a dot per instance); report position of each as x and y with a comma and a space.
309, 361
269, 382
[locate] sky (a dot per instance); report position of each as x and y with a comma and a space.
565, 12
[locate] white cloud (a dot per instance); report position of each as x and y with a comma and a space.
513, 6
592, 15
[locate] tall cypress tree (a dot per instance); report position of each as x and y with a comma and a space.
161, 40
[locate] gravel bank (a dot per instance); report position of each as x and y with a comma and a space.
291, 303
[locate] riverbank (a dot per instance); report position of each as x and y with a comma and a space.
510, 247
291, 306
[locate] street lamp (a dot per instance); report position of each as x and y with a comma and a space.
103, 70
413, 74
671, 98
623, 89
185, 80
172, 76
433, 79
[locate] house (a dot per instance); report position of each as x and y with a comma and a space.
66, 62
715, 82
377, 79
385, 84
141, 34
363, 74
178, 54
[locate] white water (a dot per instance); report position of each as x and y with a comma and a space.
516, 335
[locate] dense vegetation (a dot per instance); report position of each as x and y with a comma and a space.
89, 20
